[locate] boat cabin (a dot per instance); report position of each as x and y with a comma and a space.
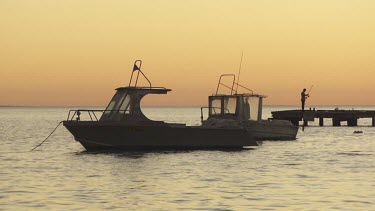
245, 106
236, 106
125, 104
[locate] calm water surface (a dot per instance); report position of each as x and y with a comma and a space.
328, 168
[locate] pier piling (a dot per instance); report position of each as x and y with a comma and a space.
352, 122
321, 121
336, 122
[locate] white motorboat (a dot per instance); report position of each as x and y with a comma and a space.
245, 111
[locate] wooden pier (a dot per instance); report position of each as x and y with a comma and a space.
337, 116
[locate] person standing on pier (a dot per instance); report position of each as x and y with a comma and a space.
304, 96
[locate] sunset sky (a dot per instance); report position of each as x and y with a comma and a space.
76, 52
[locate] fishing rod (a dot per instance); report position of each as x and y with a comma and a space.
308, 93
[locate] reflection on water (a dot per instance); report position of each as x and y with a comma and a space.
325, 169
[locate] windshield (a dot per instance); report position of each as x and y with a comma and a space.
230, 105
119, 105
251, 108
215, 106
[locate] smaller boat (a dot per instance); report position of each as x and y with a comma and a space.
245, 111
122, 125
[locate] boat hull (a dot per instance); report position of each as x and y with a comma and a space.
272, 130
276, 130
94, 135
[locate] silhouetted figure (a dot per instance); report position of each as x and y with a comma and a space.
304, 96
247, 108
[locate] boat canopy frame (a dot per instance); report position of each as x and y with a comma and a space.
231, 88
138, 69
125, 103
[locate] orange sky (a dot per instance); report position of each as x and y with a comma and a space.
77, 52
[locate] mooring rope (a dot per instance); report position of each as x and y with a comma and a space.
47, 137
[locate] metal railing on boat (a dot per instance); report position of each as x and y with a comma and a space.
231, 88
91, 114
213, 108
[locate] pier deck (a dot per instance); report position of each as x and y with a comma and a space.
337, 116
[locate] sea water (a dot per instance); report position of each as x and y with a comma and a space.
326, 168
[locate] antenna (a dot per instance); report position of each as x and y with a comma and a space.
239, 72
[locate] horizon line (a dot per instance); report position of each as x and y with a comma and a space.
10, 106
